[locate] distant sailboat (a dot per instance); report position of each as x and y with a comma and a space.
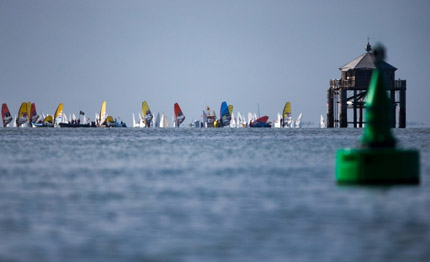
322, 123
298, 121
164, 121
179, 116
277, 123
6, 116
260, 122
157, 120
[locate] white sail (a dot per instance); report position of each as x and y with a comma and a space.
157, 120
277, 123
134, 121
232, 121
322, 124
298, 121
163, 121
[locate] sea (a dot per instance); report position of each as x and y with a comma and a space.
191, 194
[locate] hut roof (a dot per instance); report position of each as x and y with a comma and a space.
365, 61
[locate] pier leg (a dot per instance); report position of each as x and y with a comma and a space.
330, 122
402, 109
393, 108
343, 118
355, 109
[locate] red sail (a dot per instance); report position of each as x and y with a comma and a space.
179, 116
33, 110
6, 117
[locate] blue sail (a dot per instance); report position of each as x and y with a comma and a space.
225, 114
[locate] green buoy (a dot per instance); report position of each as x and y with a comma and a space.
378, 161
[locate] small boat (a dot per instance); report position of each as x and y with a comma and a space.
209, 117
74, 125
179, 116
261, 122
6, 116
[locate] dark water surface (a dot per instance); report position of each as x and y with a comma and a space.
202, 195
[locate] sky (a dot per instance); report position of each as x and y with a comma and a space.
199, 53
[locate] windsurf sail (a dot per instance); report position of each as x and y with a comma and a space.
225, 114
179, 116
102, 115
230, 109
58, 116
33, 114
146, 113
6, 116
163, 121
322, 124
157, 120
286, 115
298, 121
23, 114
233, 121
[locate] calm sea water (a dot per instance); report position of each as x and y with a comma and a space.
202, 195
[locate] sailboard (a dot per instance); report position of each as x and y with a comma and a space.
157, 120
102, 115
23, 114
6, 116
322, 123
277, 122
179, 116
286, 115
58, 116
164, 121
298, 121
146, 114
225, 114
33, 114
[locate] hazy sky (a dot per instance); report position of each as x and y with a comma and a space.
200, 53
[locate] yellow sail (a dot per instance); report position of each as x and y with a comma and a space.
49, 120
230, 109
287, 110
58, 116
102, 115
28, 110
23, 110
145, 109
